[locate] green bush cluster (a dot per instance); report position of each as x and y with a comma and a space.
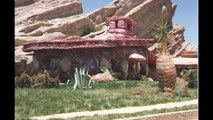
24, 81
191, 77
41, 80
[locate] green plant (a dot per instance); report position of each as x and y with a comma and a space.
162, 32
43, 80
23, 81
165, 68
191, 77
82, 78
37, 80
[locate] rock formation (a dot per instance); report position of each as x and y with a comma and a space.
37, 20
41, 17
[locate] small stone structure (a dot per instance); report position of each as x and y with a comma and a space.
62, 56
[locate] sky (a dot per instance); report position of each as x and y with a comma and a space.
186, 14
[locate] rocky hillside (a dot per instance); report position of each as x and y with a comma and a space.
55, 19
49, 19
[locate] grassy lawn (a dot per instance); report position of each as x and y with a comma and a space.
37, 102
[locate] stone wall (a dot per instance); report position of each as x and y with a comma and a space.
65, 61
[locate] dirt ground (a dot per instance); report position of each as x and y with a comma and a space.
182, 115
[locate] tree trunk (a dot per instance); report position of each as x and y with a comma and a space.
165, 69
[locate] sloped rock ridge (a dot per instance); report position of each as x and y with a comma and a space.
40, 20
66, 16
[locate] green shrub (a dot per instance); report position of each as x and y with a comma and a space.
24, 81
82, 79
41, 80
191, 77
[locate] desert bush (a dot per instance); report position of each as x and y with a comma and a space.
191, 77
41, 80
168, 92
24, 81
138, 90
181, 88
142, 88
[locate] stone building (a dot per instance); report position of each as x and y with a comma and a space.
62, 56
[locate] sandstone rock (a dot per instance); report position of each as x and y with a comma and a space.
178, 31
68, 9
146, 13
47, 9
22, 56
99, 34
36, 33
116, 8
76, 27
19, 3
35, 26
138, 10
19, 42
38, 20
178, 38
126, 6
104, 12
149, 13
22, 59
45, 36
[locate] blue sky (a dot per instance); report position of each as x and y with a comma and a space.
186, 14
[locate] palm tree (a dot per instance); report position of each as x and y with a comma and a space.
165, 68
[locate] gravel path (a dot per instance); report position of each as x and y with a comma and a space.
118, 111
180, 115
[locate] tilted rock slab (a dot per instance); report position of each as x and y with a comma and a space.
37, 20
